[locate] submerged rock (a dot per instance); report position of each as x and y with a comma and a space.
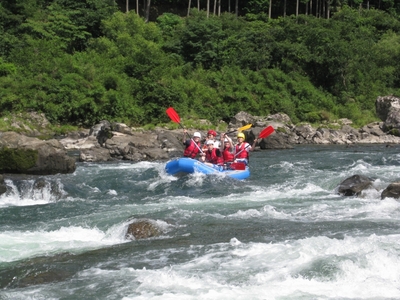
354, 185
392, 191
142, 229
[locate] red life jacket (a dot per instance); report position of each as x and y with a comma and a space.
228, 155
191, 150
244, 153
212, 157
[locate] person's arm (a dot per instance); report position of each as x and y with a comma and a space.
254, 145
184, 136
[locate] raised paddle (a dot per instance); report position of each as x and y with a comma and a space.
266, 132
173, 115
243, 128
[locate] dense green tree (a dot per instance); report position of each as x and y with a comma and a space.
81, 61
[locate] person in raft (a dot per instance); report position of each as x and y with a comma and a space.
243, 148
213, 155
211, 135
227, 149
192, 146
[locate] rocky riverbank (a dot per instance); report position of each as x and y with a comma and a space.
116, 141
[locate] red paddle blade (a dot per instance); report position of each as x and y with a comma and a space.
266, 132
238, 166
173, 115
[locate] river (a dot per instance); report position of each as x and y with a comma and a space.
283, 233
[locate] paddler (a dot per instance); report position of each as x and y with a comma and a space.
192, 146
227, 149
213, 155
243, 148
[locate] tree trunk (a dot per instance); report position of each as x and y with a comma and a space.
284, 8
297, 8
219, 8
127, 6
215, 7
270, 9
198, 5
137, 7
229, 6
237, 8
148, 11
190, 3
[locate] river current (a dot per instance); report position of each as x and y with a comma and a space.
283, 233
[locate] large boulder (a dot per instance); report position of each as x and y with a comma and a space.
20, 154
171, 142
388, 110
392, 191
385, 104
240, 119
136, 147
354, 185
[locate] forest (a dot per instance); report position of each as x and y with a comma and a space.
82, 61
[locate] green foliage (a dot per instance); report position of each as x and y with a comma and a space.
7, 68
79, 62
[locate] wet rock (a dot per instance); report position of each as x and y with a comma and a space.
142, 229
354, 185
3, 187
392, 191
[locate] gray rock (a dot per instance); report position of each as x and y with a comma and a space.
95, 154
28, 155
354, 185
240, 119
392, 191
384, 104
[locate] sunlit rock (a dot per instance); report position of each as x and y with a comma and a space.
20, 154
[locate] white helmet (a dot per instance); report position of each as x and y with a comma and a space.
197, 134
210, 142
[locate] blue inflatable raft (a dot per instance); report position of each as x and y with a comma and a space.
186, 165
